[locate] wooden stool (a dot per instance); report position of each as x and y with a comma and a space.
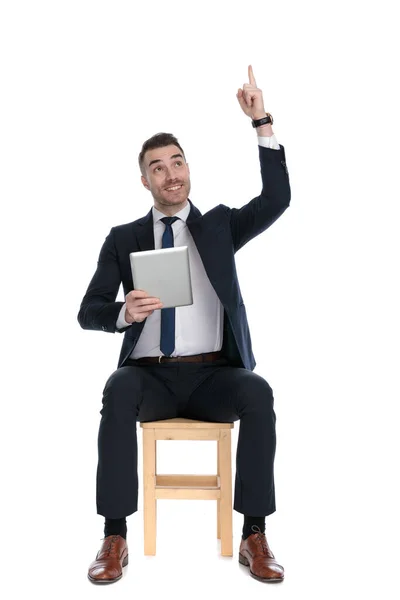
195, 487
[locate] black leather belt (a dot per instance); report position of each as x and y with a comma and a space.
205, 357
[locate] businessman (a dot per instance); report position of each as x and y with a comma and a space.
191, 361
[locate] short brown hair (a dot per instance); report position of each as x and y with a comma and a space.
159, 140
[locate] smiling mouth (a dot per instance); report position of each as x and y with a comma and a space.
175, 189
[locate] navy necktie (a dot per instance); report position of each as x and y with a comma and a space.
167, 343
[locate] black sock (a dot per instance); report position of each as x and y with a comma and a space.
115, 527
248, 522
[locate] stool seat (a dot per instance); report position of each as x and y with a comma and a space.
187, 487
180, 423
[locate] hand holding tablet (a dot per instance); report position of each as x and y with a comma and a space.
139, 306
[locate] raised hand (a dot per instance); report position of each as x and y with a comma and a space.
251, 99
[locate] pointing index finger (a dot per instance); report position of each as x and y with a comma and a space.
252, 79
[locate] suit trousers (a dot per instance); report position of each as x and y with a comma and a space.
206, 391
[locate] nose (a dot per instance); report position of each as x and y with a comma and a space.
172, 182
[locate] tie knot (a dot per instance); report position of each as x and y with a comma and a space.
169, 220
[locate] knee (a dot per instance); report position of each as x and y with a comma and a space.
122, 387
258, 397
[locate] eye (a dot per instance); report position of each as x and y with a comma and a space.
178, 162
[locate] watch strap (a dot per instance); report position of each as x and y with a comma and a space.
263, 121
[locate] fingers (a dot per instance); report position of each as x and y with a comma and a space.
151, 301
248, 93
140, 298
138, 294
241, 98
252, 79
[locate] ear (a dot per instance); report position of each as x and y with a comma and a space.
144, 181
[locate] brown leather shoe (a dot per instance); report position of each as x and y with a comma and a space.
112, 556
255, 553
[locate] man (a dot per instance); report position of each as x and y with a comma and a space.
192, 361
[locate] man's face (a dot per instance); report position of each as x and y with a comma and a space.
166, 168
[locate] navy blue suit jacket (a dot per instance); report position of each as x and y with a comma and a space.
218, 235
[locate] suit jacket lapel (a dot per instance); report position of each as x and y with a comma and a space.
144, 228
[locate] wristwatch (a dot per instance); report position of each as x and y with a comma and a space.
263, 121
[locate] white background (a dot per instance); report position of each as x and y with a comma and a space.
84, 84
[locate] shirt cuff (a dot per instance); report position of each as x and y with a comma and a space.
268, 142
121, 323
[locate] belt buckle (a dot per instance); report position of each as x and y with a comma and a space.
159, 358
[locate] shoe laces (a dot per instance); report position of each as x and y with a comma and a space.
260, 537
111, 545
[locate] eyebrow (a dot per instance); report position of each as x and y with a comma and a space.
159, 159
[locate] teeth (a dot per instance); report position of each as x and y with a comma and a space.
176, 187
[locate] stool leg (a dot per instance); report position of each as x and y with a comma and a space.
149, 486
225, 466
218, 500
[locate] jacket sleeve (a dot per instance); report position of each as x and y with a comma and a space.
98, 309
258, 214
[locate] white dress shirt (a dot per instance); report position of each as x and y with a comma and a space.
198, 327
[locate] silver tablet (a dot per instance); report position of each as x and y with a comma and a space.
164, 274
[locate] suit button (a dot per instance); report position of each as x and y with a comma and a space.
284, 165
